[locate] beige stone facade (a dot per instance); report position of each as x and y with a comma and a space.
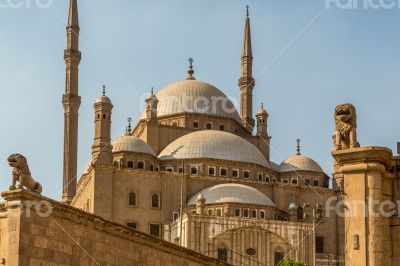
191, 183
39, 231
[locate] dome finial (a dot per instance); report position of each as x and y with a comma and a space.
247, 11
104, 90
298, 147
262, 105
191, 71
129, 129
152, 91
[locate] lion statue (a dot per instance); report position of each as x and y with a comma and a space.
22, 174
345, 136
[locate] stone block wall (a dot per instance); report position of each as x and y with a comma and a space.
57, 234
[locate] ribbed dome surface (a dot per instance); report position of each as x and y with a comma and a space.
299, 163
213, 144
232, 193
194, 96
131, 144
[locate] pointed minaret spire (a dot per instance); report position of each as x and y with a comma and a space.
191, 71
246, 81
73, 19
298, 147
247, 37
71, 102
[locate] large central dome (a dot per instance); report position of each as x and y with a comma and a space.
194, 96
215, 145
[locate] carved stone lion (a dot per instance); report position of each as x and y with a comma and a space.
22, 174
345, 136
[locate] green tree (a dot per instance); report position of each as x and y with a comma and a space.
290, 262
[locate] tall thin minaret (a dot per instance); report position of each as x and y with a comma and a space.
246, 81
71, 102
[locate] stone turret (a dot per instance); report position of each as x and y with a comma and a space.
102, 149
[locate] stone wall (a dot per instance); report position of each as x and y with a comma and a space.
57, 234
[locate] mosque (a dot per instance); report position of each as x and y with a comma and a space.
195, 171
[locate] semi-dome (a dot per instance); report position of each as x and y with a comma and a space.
129, 143
232, 193
194, 96
299, 163
215, 145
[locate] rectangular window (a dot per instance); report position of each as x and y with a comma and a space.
131, 225
223, 254
254, 214
246, 213
319, 244
209, 125
193, 170
316, 183
175, 215
155, 230
246, 174
278, 258
211, 171
195, 124
235, 173
237, 212
307, 182
169, 169
260, 177
262, 215
223, 171
140, 165
130, 164
294, 181
221, 127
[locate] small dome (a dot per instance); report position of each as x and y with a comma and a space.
194, 96
232, 193
103, 99
299, 163
215, 145
130, 143
293, 206
261, 111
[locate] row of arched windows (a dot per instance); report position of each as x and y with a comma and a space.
155, 200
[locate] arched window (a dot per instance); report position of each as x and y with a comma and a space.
132, 199
300, 213
155, 201
151, 167
130, 164
104, 116
210, 212
219, 212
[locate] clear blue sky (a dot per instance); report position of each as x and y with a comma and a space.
344, 56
